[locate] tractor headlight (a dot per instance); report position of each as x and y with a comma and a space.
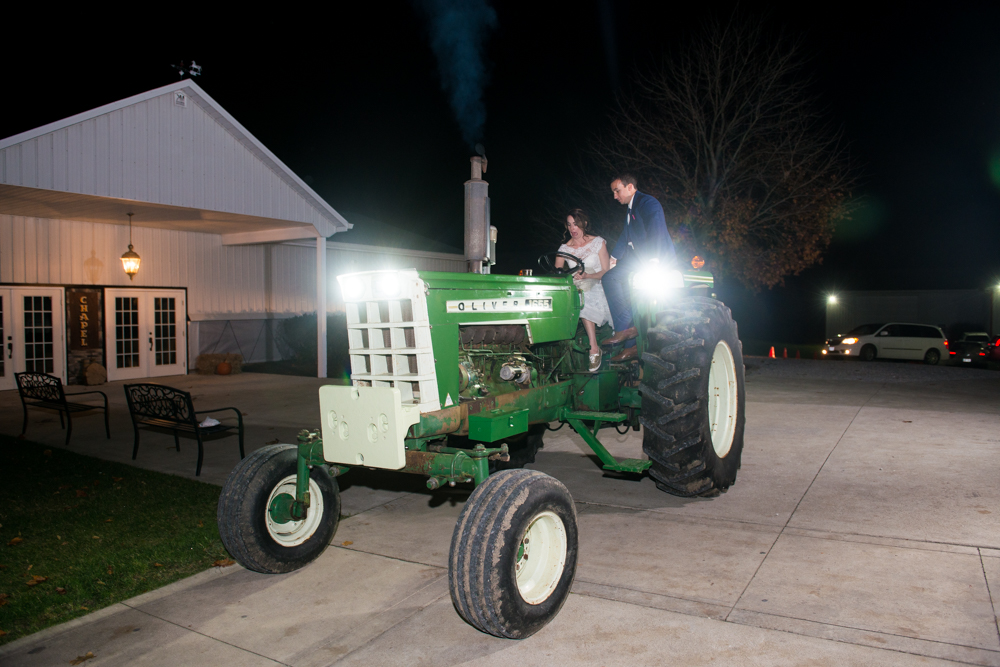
655, 279
387, 284
351, 287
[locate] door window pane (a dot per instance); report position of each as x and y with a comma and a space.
165, 331
38, 335
126, 331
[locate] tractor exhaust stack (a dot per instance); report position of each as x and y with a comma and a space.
480, 237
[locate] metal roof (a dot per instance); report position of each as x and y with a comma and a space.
172, 155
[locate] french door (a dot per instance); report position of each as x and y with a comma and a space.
32, 332
146, 333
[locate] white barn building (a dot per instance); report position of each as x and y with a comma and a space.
229, 237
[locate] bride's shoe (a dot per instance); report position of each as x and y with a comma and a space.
595, 361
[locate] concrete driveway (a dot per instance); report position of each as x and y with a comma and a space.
862, 530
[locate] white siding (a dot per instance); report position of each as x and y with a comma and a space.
155, 151
224, 282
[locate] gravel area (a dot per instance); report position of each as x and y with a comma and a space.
875, 371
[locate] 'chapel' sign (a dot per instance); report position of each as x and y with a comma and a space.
84, 318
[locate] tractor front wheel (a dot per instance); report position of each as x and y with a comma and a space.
262, 540
693, 398
513, 553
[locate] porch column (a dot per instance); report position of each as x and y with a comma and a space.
321, 306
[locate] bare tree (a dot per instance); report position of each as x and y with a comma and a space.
729, 139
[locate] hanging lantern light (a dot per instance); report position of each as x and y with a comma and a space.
131, 259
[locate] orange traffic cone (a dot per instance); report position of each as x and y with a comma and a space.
771, 355
797, 356
784, 353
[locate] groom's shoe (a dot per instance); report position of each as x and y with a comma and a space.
621, 336
627, 354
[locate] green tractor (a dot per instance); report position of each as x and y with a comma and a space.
457, 377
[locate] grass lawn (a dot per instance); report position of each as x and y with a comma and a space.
78, 534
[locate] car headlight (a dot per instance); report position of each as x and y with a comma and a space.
655, 279
849, 341
351, 287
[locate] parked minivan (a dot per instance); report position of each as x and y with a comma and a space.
896, 340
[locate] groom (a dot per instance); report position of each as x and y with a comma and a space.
644, 239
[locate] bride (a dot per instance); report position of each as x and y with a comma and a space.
593, 252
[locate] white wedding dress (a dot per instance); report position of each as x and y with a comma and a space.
595, 304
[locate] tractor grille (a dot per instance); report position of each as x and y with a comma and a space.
390, 338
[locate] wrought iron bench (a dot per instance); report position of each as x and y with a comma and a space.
41, 390
159, 406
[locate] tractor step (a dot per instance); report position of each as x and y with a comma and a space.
638, 466
600, 416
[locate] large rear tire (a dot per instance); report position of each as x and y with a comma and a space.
513, 553
248, 531
693, 398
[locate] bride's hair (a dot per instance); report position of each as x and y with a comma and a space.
580, 219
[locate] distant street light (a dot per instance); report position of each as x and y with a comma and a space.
832, 299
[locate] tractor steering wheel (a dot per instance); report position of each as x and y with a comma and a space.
548, 263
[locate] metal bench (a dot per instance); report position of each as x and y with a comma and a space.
41, 390
159, 406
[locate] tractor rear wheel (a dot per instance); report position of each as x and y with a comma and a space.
693, 398
513, 553
249, 531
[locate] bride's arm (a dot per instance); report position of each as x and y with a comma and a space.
605, 263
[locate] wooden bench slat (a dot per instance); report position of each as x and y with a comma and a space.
183, 426
72, 407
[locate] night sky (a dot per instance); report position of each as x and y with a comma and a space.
352, 101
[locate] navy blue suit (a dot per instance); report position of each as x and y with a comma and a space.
645, 236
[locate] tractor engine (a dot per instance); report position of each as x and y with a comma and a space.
495, 359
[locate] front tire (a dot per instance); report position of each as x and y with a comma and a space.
248, 531
693, 399
868, 353
513, 553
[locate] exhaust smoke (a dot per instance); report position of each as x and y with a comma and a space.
458, 33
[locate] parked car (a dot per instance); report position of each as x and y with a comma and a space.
895, 340
971, 349
993, 350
